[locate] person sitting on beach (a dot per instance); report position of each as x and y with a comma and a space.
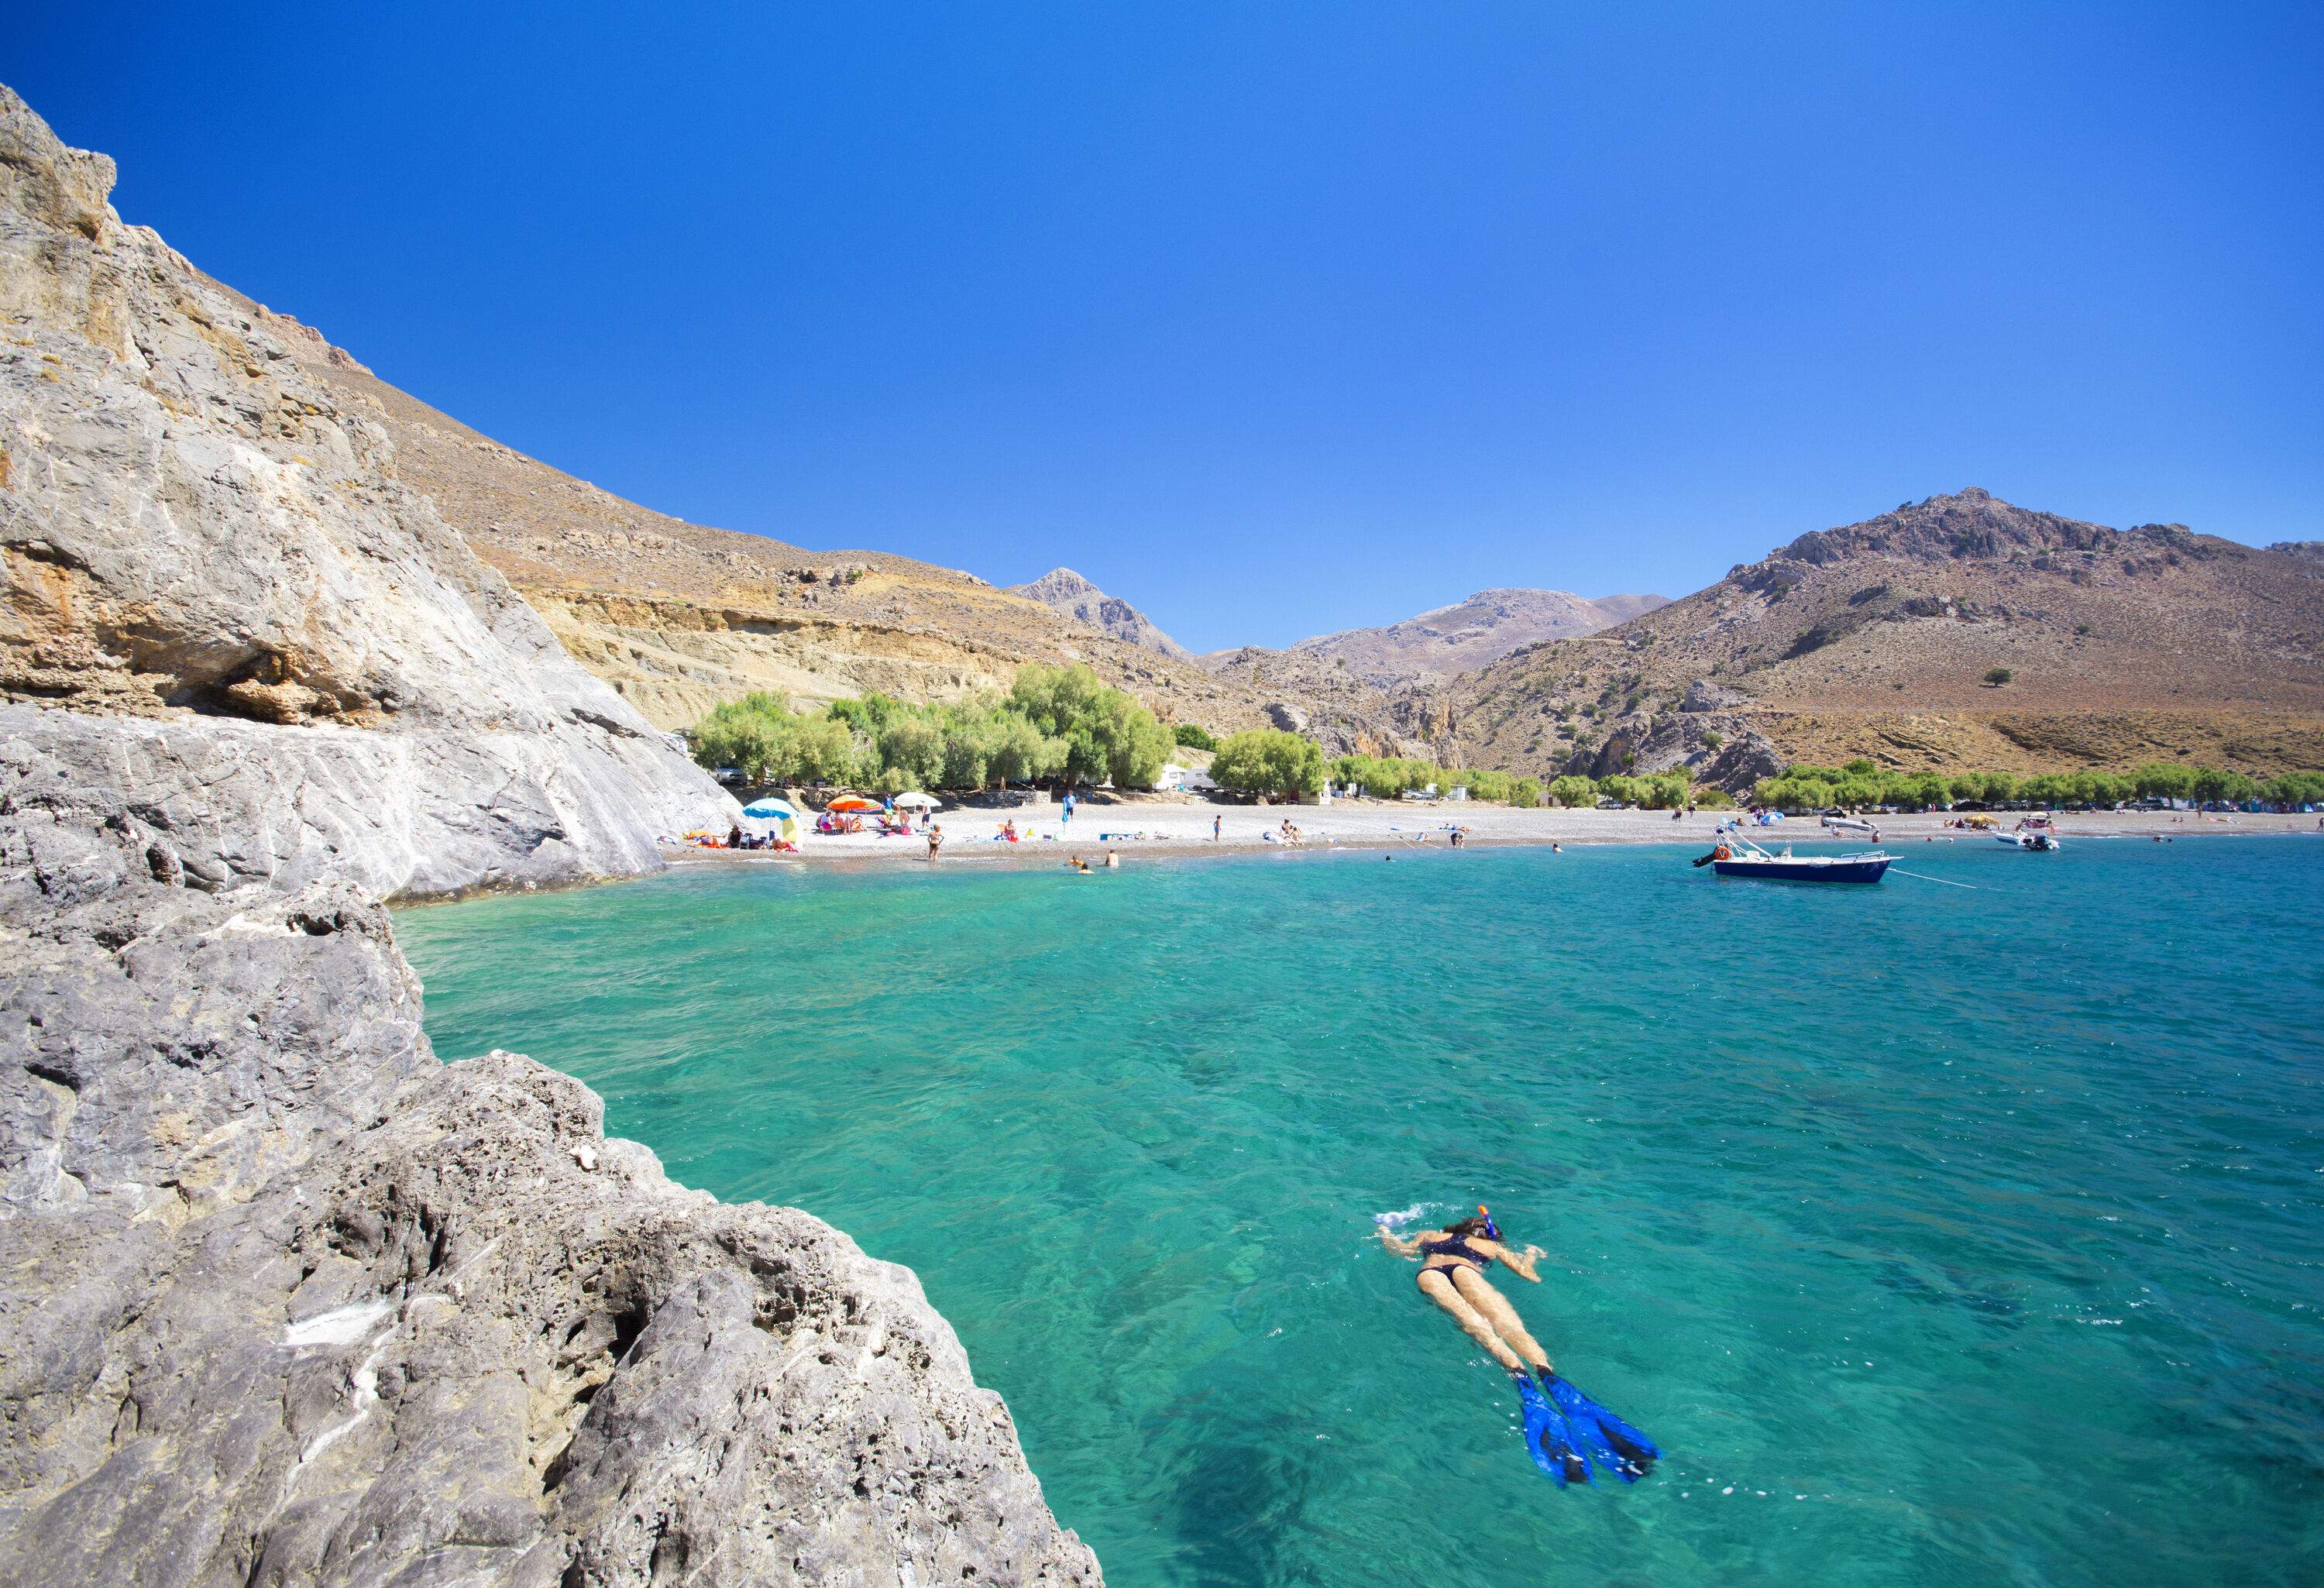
1008, 829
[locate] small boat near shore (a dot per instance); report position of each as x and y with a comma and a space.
1738, 856
2036, 834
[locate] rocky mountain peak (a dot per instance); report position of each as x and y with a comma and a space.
1067, 592
1486, 626
1972, 525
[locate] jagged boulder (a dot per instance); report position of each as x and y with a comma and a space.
1705, 696
284, 1300
1722, 749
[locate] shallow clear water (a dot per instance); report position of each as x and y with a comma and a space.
1939, 1236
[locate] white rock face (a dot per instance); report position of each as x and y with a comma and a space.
195, 534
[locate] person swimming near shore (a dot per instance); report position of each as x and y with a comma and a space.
1561, 1423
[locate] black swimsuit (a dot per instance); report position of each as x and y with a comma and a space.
1457, 1247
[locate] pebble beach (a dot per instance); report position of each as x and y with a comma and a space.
1135, 826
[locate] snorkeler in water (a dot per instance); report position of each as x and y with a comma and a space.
1561, 1423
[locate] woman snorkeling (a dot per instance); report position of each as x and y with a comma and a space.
1561, 1423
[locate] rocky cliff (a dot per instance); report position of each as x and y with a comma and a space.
284, 1300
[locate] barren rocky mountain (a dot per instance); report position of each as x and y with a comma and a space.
284, 1300
677, 617
1486, 627
1325, 699
1067, 592
1888, 639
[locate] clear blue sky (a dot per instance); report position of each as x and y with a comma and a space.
1278, 318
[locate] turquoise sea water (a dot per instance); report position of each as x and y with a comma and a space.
1939, 1236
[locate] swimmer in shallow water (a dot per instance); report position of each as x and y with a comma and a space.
1453, 1264
1561, 1423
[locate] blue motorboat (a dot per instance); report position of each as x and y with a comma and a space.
1738, 856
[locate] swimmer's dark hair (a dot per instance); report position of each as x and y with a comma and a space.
1464, 1228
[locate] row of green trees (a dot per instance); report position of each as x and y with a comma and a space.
1671, 791
1860, 784
1273, 762
1055, 722
1387, 777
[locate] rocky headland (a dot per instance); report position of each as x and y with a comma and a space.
283, 1298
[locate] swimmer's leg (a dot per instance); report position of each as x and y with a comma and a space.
1440, 1290
1478, 1291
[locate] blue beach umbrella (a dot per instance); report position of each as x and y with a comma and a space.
785, 818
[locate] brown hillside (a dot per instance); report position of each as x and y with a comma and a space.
1877, 638
677, 616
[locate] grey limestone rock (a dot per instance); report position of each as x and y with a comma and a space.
1703, 695
193, 534
284, 1300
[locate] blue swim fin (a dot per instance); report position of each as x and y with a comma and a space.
1548, 1439
1617, 1446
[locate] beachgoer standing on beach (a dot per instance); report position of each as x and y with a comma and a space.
936, 839
1216, 820
1068, 816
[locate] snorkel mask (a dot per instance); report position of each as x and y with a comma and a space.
1492, 1230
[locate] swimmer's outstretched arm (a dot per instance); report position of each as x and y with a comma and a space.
1520, 1263
1398, 1244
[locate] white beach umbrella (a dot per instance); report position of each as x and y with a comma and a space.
915, 800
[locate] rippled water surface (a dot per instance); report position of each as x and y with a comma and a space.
1939, 1236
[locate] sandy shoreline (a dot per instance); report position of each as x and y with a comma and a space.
1159, 828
